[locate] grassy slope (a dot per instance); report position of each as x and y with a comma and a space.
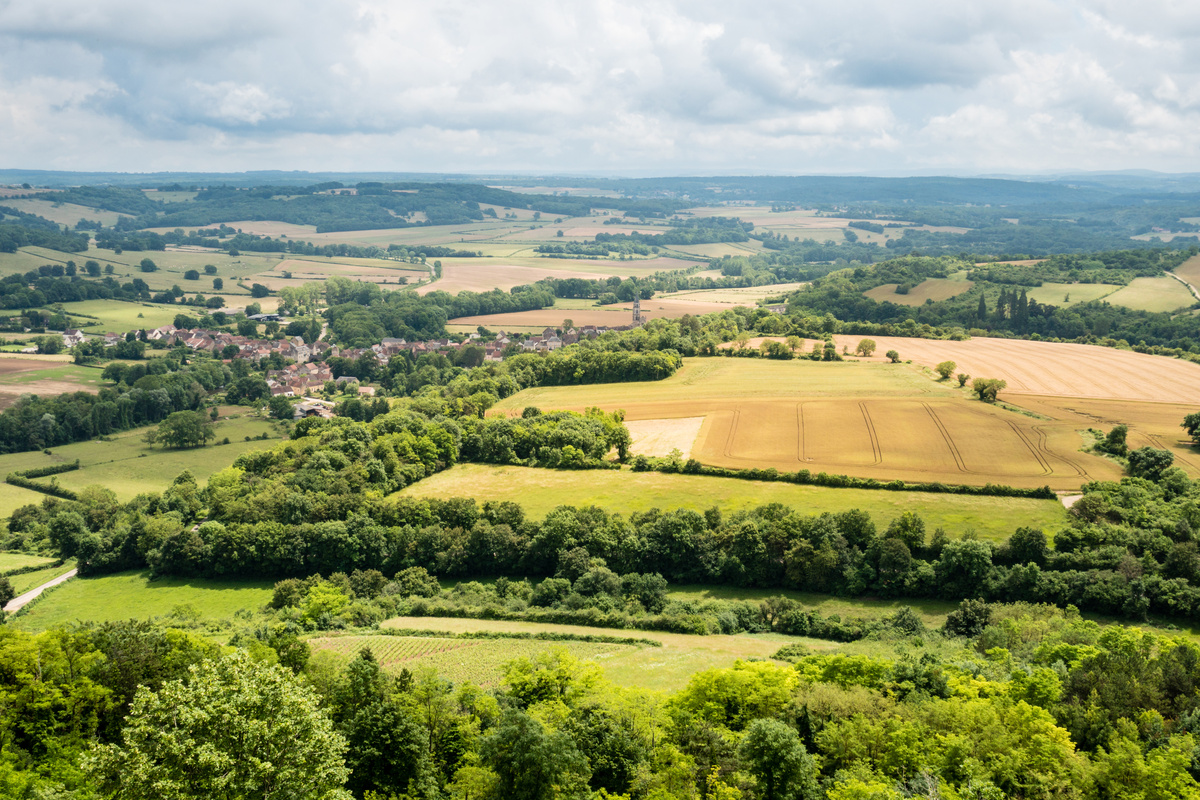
129, 595
540, 490
1153, 294
28, 580
11, 561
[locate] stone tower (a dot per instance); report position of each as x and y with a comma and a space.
637, 311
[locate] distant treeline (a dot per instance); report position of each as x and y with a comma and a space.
332, 207
1006, 307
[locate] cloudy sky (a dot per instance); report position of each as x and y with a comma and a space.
645, 87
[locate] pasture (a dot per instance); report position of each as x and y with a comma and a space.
876, 420
31, 580
934, 289
128, 466
135, 595
1190, 271
478, 661
11, 561
1153, 294
541, 490
119, 316
1069, 294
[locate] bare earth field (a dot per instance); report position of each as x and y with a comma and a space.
872, 420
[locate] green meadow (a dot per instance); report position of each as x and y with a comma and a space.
540, 490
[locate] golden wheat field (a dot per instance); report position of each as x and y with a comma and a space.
884, 421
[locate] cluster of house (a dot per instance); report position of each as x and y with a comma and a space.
306, 374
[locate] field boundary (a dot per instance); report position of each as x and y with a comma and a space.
836, 481
539, 636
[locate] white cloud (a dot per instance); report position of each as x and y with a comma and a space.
659, 85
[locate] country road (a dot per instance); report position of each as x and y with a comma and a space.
20, 601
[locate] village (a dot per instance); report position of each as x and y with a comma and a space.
308, 369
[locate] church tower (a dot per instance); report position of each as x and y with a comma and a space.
637, 311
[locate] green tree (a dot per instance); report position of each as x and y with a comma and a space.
280, 408
191, 275
988, 388
218, 284
1191, 424
893, 356
236, 728
146, 265
531, 764
945, 369
184, 429
865, 347
1149, 462
962, 379
773, 753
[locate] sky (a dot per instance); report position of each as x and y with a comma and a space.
652, 87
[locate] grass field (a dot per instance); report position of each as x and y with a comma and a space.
30, 580
666, 668
479, 661
128, 466
118, 316
929, 289
63, 213
876, 420
1153, 294
133, 595
1190, 271
11, 561
540, 490
1055, 294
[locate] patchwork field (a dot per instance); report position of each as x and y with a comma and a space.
1153, 294
541, 490
609, 316
873, 420
929, 289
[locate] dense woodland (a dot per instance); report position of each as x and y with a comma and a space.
1015, 701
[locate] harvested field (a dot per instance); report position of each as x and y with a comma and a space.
929, 289
870, 420
658, 437
613, 316
485, 274
745, 296
1153, 294
1052, 368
